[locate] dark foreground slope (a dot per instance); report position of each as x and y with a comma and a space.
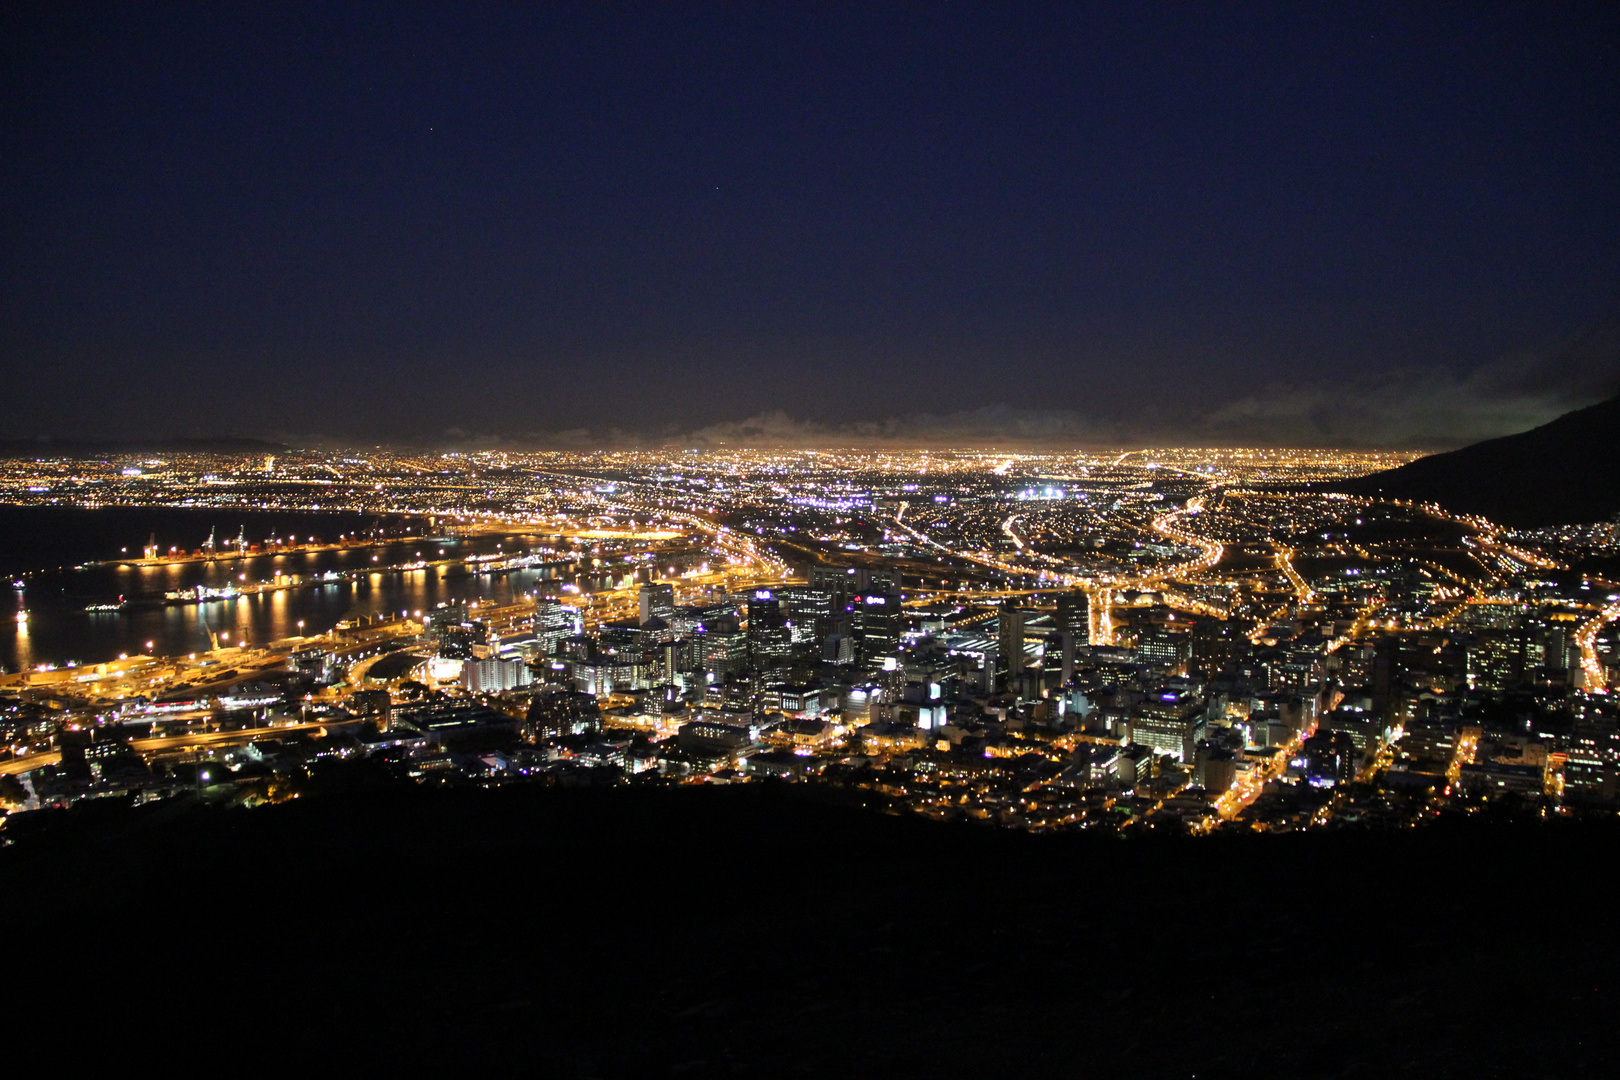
748, 932
1563, 472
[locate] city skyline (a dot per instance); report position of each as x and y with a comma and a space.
1185, 640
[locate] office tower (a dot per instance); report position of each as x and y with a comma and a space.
1011, 627
656, 601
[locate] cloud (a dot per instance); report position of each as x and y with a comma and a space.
1411, 411
988, 425
1416, 409
1428, 409
1421, 411
768, 429
1416, 412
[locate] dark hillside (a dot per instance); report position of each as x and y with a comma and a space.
1563, 472
752, 932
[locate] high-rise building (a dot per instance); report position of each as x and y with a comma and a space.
494, 675
770, 639
1331, 757
656, 600
764, 610
1213, 643
1074, 615
804, 604
843, 586
1011, 626
1164, 647
721, 653
1065, 649
1170, 721
879, 619
838, 583
457, 641
552, 623
673, 657
452, 614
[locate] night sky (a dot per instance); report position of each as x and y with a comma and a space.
916, 223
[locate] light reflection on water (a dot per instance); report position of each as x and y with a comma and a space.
23, 650
60, 630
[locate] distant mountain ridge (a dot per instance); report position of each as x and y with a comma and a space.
1565, 472
36, 448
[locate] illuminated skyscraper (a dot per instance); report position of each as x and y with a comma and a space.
656, 600
879, 619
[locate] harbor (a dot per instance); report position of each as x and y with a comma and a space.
474, 565
95, 609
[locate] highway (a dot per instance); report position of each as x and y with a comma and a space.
30, 762
222, 738
1302, 588
1006, 527
1586, 638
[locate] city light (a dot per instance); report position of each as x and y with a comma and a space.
885, 604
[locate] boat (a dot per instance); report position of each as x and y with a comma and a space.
201, 595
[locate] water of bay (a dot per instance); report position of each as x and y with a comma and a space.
44, 547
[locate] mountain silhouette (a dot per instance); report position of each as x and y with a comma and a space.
1566, 471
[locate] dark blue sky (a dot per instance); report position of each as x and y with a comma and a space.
1111, 221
